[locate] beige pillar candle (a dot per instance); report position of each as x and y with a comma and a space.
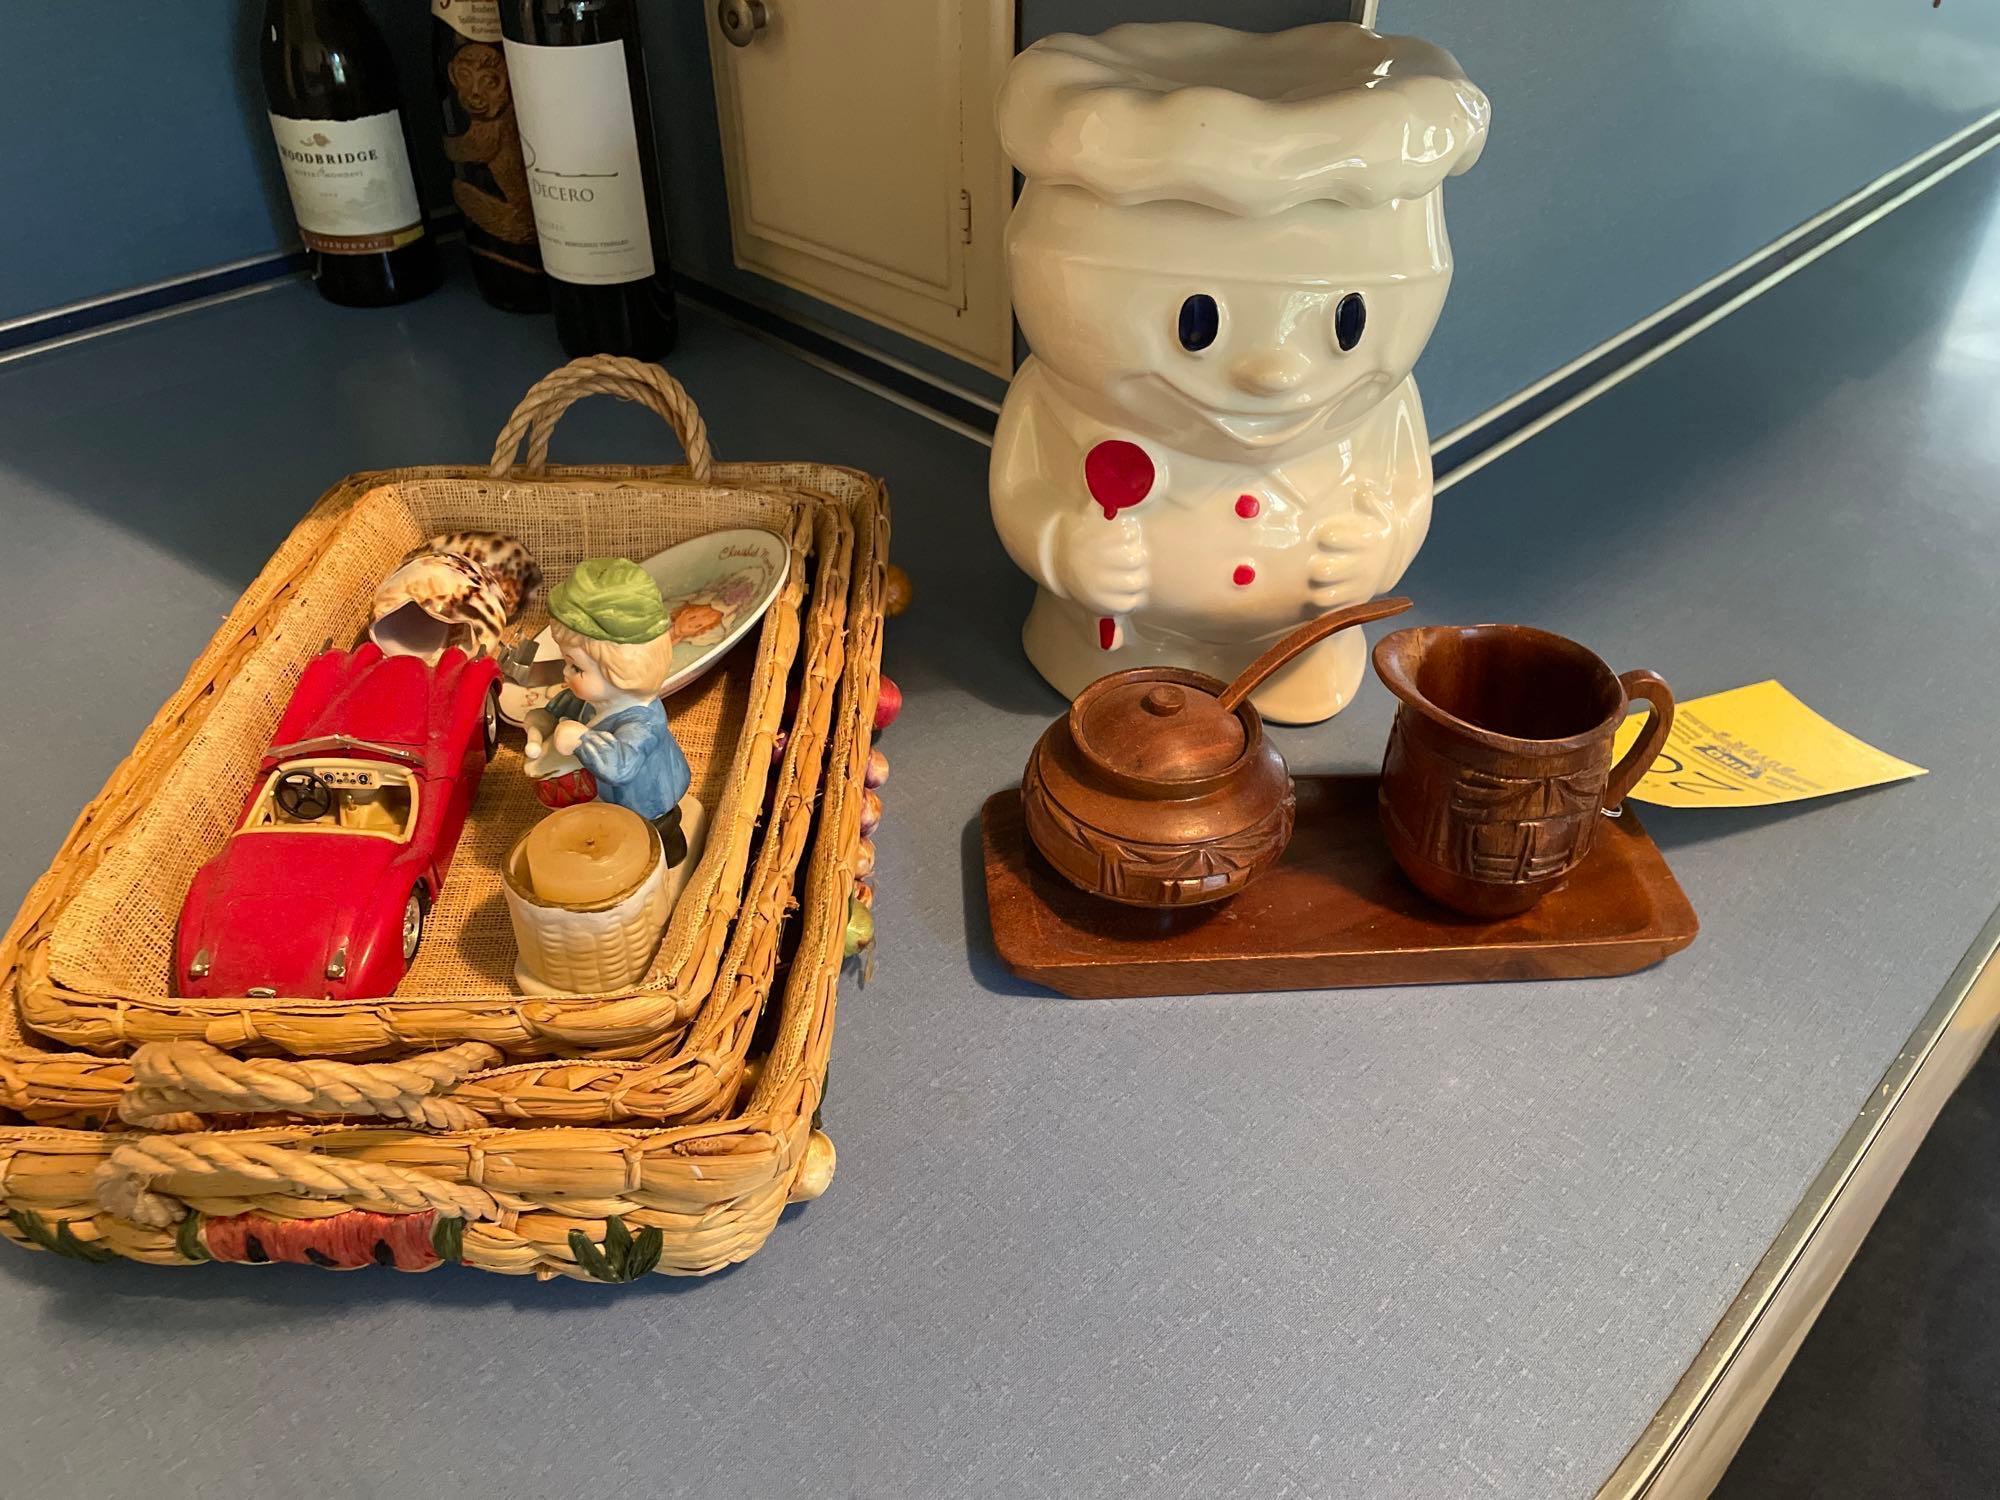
586, 854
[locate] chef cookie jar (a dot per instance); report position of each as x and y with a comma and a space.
1228, 254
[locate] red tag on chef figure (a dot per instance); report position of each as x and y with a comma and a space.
1118, 474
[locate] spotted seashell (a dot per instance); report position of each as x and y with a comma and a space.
513, 568
456, 590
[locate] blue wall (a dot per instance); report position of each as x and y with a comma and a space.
126, 125
1636, 151
137, 130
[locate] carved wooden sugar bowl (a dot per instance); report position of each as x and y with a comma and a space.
1159, 786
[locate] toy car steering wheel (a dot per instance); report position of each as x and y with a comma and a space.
303, 795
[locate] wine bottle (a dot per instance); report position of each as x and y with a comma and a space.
489, 182
331, 89
579, 80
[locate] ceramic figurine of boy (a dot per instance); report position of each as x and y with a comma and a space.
612, 629
1228, 255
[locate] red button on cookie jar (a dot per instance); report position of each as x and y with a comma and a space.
1247, 506
1244, 575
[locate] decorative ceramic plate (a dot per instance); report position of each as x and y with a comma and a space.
715, 588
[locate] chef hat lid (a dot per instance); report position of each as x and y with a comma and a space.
1251, 123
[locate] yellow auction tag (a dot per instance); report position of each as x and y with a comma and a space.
1754, 746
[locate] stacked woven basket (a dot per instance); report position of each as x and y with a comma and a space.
660, 1128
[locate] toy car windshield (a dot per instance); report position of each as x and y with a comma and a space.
327, 795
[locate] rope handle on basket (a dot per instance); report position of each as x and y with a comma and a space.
602, 375
175, 1078
217, 1166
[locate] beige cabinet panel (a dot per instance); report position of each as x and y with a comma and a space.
863, 167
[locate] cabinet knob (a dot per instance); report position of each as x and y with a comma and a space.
741, 20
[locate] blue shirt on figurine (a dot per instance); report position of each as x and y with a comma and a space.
632, 754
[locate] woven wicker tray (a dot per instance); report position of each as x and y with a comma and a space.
692, 1076
97, 983
687, 1199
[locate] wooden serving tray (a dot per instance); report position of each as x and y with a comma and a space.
1334, 913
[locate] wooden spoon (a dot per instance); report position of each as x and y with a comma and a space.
1313, 631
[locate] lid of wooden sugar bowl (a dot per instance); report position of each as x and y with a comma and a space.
1159, 787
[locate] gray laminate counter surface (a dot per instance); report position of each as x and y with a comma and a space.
1394, 1242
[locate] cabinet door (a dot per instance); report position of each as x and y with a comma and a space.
863, 165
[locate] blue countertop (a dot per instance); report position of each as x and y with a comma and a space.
1419, 1242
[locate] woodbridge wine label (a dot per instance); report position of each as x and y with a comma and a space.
330, 87
350, 182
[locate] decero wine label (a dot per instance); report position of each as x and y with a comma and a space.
574, 106
475, 20
350, 181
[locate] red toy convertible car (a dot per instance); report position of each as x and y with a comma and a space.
323, 888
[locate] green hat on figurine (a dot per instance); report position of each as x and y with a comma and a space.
610, 599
